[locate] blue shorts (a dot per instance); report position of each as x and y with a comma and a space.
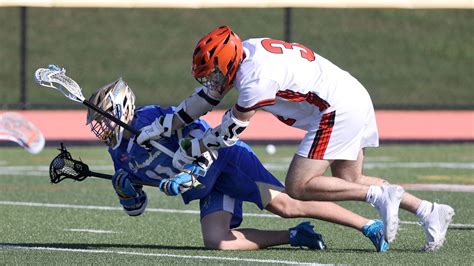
237, 176
216, 201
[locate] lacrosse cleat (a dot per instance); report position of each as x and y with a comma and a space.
388, 205
375, 232
303, 235
436, 225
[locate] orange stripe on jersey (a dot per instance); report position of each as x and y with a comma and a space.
310, 97
321, 140
257, 105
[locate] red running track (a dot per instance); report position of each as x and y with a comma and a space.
69, 125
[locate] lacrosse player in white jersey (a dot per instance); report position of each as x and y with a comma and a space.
303, 90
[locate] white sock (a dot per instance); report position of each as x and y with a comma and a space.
373, 194
424, 209
369, 222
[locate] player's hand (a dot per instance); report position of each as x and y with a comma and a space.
226, 134
161, 127
131, 196
183, 181
153, 131
189, 152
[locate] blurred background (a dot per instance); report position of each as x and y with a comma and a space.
406, 58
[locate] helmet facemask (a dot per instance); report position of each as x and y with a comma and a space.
214, 81
117, 99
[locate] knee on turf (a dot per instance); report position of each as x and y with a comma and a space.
216, 242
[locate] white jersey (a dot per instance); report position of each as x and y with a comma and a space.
300, 87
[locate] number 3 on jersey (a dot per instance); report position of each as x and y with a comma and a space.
276, 47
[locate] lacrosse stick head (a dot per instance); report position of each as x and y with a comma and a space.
55, 77
118, 99
64, 166
14, 127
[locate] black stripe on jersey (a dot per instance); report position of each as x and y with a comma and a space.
258, 105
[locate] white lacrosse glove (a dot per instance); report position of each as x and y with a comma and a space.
161, 127
189, 152
226, 134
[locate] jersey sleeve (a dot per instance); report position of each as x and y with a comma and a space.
256, 93
147, 114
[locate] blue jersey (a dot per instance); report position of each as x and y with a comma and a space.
237, 172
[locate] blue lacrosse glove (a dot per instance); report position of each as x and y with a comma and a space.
183, 181
131, 196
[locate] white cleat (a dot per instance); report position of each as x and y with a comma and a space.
436, 225
387, 206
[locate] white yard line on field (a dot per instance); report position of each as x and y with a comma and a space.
215, 258
95, 231
107, 208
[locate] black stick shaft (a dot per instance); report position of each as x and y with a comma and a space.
109, 177
111, 117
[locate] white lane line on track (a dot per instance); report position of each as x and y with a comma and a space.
95, 231
239, 259
107, 208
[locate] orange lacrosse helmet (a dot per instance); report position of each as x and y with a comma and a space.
216, 58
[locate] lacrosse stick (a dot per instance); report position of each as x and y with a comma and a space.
14, 127
55, 77
64, 166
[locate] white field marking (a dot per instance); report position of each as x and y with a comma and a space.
239, 259
90, 231
379, 159
452, 226
107, 208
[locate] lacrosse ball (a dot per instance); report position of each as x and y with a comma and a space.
270, 149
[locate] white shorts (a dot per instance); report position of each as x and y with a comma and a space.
340, 132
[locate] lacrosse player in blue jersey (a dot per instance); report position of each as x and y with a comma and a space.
230, 176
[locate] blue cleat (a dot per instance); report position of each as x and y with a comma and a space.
303, 235
375, 232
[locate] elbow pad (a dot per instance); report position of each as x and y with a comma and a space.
197, 105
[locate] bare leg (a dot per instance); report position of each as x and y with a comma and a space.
305, 181
287, 207
217, 235
350, 171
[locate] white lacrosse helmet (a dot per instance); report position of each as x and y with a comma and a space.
118, 99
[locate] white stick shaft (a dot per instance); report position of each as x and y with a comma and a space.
162, 148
